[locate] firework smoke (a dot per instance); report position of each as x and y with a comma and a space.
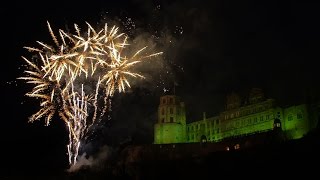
78, 75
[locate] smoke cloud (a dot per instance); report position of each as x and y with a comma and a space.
95, 161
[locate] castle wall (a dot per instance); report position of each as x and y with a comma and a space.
296, 121
169, 133
256, 117
241, 121
171, 125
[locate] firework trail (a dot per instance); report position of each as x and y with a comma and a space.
60, 74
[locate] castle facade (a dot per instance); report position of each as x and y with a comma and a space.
257, 115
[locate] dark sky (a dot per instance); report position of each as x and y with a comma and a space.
217, 47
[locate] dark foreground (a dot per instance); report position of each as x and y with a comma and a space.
299, 158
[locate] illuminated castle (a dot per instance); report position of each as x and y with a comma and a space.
258, 115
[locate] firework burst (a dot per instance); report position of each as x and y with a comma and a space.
60, 74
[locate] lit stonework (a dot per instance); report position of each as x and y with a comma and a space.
171, 125
239, 119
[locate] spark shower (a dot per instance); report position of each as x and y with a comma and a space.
77, 76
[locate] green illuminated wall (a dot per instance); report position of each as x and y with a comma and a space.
167, 133
296, 121
257, 122
249, 119
171, 125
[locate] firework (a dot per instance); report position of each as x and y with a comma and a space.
61, 74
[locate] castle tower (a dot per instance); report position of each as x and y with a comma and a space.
256, 95
233, 101
171, 124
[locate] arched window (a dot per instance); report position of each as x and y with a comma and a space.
171, 100
277, 124
299, 115
203, 139
171, 119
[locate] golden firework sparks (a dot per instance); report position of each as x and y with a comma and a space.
60, 74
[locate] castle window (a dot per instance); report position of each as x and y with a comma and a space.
268, 117
255, 120
217, 121
162, 111
171, 100
171, 110
261, 118
290, 117
164, 101
163, 120
299, 115
171, 119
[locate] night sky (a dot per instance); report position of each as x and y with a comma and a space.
211, 48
